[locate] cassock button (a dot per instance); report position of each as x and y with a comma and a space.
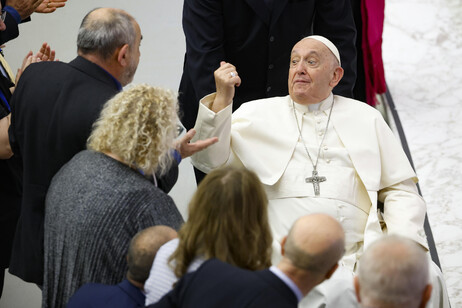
271, 39
320, 133
271, 66
328, 161
268, 89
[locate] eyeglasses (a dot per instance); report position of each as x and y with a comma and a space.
3, 16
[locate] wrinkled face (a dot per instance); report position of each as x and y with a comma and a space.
134, 58
311, 72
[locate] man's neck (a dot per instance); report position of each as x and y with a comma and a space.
301, 278
137, 284
102, 63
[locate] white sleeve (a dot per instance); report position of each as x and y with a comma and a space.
404, 211
210, 124
161, 277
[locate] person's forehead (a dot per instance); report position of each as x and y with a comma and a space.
309, 46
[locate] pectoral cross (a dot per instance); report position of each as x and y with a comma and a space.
315, 179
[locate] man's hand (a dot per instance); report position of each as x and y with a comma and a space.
44, 54
186, 148
226, 78
49, 6
24, 7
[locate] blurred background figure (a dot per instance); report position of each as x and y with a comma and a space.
393, 273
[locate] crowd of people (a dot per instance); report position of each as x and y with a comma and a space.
287, 212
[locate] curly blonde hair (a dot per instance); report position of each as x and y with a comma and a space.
228, 220
139, 126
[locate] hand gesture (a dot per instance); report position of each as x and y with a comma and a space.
24, 7
44, 54
187, 148
226, 78
49, 6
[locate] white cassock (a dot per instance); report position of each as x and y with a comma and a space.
359, 156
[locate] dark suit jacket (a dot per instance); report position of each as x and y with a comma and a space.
123, 295
53, 109
10, 193
218, 284
258, 42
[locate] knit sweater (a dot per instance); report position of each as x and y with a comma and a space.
94, 206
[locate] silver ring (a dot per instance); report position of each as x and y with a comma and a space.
233, 74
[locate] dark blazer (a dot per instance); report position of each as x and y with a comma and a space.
53, 109
123, 295
258, 42
218, 284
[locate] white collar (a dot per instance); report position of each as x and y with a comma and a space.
323, 105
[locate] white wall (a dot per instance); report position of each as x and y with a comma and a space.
162, 48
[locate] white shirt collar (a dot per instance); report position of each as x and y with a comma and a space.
321, 106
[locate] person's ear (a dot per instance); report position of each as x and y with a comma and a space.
331, 271
356, 283
122, 55
283, 244
427, 293
337, 76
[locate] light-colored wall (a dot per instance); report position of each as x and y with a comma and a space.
162, 47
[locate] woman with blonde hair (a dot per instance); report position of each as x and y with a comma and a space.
228, 220
104, 195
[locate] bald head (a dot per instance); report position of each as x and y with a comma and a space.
393, 272
315, 243
143, 248
103, 30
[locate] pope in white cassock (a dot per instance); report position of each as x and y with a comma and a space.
316, 152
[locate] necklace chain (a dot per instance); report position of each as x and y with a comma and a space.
315, 165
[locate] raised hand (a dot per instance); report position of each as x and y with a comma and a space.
24, 7
49, 6
226, 78
187, 148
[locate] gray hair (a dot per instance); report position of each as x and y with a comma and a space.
393, 272
102, 35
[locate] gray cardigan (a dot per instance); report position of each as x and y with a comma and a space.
94, 206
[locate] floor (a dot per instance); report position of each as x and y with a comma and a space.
422, 51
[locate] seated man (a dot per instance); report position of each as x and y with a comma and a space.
129, 293
310, 254
317, 152
393, 272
